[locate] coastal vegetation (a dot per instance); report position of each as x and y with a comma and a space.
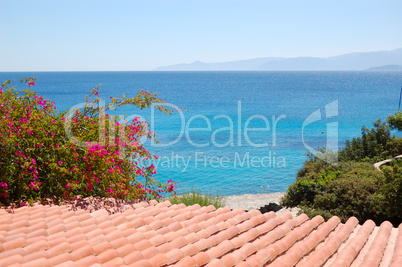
46, 154
193, 196
352, 186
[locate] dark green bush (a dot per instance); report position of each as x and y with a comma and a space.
353, 187
395, 121
396, 146
392, 190
374, 145
353, 194
305, 189
346, 189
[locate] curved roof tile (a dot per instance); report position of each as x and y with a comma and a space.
162, 234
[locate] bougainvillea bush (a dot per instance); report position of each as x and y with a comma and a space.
46, 154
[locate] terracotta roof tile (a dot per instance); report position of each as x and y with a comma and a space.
77, 237
36, 255
59, 259
4, 227
150, 252
162, 234
133, 257
14, 243
7, 261
113, 234
79, 244
14, 235
397, 256
125, 250
143, 244
87, 261
37, 262
119, 242
107, 255
114, 262
149, 233
144, 228
82, 252
8, 253
201, 258
186, 262
97, 239
101, 247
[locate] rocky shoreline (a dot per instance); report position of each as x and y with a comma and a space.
256, 201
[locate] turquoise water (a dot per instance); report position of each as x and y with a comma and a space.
250, 124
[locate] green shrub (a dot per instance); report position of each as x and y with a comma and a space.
395, 121
392, 190
353, 187
87, 152
395, 147
346, 189
304, 190
353, 194
374, 145
310, 180
195, 197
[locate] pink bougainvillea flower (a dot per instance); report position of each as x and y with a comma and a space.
98, 166
4, 184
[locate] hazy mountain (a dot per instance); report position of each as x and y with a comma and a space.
247, 64
352, 61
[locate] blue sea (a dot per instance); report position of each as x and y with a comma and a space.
240, 132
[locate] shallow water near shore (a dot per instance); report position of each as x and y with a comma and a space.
244, 132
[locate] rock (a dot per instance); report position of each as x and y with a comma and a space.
270, 207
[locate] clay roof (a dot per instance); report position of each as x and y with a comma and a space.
162, 234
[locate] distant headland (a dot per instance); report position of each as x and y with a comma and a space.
386, 68
370, 61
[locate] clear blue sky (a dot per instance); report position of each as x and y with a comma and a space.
58, 35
